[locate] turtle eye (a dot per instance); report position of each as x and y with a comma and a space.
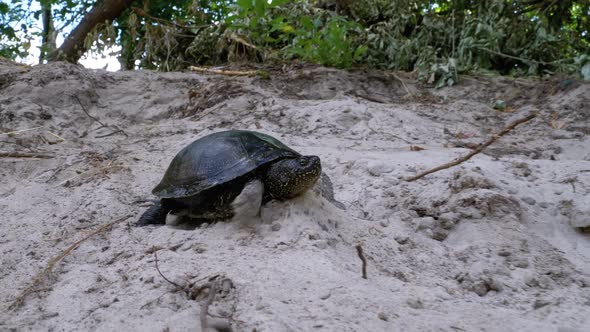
302, 161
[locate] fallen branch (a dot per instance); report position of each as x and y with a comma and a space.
39, 278
226, 72
477, 150
25, 155
359, 251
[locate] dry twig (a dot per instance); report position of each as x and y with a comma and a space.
25, 155
12, 133
477, 150
20, 131
111, 166
86, 111
212, 285
403, 84
117, 129
142, 13
39, 278
359, 251
111, 134
56, 136
163, 276
225, 72
371, 98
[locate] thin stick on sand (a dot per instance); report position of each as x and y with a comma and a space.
359, 251
118, 130
34, 128
40, 277
206, 304
25, 155
163, 276
56, 136
20, 131
477, 150
86, 111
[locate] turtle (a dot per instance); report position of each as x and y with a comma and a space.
227, 173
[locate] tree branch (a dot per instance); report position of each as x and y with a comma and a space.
73, 47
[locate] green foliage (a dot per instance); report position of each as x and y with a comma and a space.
442, 38
288, 29
329, 45
13, 44
440, 74
438, 39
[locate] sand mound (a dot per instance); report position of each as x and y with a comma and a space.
496, 243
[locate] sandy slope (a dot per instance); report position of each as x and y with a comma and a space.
493, 244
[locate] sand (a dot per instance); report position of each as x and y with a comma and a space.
497, 243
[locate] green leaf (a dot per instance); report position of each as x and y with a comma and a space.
277, 3
230, 19
306, 23
254, 22
260, 7
245, 4
360, 52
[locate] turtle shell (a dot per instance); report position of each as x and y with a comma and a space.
217, 159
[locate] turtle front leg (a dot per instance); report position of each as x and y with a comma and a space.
246, 206
154, 215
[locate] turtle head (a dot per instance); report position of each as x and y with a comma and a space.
290, 177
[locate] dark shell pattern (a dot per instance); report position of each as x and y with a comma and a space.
217, 159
